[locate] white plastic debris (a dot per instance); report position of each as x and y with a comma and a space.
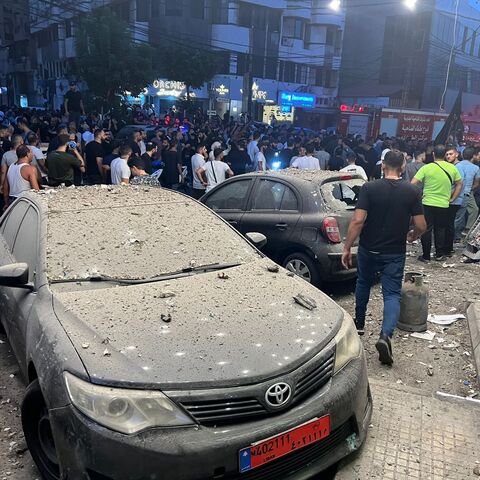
428, 335
445, 319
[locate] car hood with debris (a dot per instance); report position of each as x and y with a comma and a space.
223, 328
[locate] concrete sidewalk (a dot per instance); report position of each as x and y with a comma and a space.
417, 437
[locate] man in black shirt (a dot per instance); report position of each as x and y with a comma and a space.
382, 220
73, 104
94, 153
148, 157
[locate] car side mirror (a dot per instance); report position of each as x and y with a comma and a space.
258, 239
14, 275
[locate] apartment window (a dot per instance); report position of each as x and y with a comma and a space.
245, 14
274, 20
155, 9
330, 39
173, 8
288, 71
259, 19
220, 11
473, 43
197, 9
319, 77
242, 63
68, 28
143, 10
258, 62
465, 39
294, 28
271, 68
301, 75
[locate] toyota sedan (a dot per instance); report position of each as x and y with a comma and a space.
159, 344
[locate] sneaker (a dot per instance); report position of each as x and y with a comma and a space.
449, 254
360, 331
441, 258
384, 348
421, 258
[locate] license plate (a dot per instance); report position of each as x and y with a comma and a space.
266, 451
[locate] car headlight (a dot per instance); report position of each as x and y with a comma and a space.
123, 410
348, 343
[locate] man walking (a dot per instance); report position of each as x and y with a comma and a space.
438, 179
382, 220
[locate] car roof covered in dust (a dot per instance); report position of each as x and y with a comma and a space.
315, 176
133, 232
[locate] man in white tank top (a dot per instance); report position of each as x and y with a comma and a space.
21, 176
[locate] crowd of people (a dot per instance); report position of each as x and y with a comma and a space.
193, 155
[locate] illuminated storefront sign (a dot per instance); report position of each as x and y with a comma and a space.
222, 90
169, 88
258, 94
297, 99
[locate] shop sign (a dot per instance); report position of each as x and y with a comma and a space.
222, 90
169, 88
297, 99
258, 94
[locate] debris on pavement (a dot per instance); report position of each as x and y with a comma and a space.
273, 268
167, 318
428, 335
304, 301
85, 345
445, 319
430, 370
223, 276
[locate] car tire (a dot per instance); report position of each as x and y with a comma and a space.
38, 432
303, 266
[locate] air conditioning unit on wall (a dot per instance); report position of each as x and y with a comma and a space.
287, 42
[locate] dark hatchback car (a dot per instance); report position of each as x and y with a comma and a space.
153, 350
303, 213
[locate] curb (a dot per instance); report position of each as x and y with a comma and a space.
473, 317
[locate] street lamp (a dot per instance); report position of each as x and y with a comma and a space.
335, 5
410, 4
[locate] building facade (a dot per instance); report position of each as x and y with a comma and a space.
281, 45
417, 59
15, 62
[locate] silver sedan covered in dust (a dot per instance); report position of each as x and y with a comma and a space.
158, 343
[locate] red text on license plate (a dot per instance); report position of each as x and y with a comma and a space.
272, 448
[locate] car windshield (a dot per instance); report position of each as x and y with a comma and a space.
342, 194
139, 238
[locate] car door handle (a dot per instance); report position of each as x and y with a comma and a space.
281, 226
232, 222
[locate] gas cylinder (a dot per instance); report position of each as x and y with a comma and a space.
414, 304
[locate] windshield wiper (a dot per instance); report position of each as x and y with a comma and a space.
184, 272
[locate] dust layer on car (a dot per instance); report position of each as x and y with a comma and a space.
216, 325
134, 232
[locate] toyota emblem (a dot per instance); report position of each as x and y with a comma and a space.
278, 395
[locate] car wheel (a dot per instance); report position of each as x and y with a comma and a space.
38, 432
303, 266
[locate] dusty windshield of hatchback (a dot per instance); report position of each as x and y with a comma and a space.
140, 242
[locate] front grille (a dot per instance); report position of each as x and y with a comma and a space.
296, 461
230, 410
316, 378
